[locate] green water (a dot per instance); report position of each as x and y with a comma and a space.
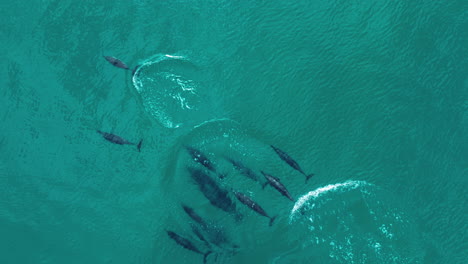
371, 97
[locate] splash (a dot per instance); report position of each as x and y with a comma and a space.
170, 88
355, 222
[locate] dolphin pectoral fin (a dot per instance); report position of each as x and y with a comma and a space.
206, 255
139, 145
264, 185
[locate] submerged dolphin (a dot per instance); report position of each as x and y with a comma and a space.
201, 158
196, 230
213, 233
290, 161
118, 140
190, 212
253, 205
243, 169
213, 192
275, 182
116, 62
187, 244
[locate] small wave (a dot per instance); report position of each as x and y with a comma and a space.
347, 185
216, 120
150, 61
355, 222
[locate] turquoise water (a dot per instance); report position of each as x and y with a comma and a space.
371, 97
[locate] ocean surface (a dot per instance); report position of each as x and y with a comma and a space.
369, 96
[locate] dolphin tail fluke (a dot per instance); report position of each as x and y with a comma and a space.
309, 176
222, 175
205, 256
272, 220
135, 69
139, 145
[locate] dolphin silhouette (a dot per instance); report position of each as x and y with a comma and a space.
184, 242
275, 182
252, 205
291, 162
116, 62
119, 140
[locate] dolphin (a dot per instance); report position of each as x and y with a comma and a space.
196, 230
201, 158
290, 161
213, 192
118, 140
243, 169
253, 205
213, 233
275, 182
190, 212
187, 244
116, 62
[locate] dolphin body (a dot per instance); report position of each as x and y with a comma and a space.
118, 140
116, 62
197, 218
213, 233
196, 230
291, 162
213, 192
253, 205
187, 244
243, 169
275, 182
201, 158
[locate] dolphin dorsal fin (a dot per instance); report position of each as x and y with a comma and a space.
276, 178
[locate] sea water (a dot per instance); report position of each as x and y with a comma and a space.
371, 97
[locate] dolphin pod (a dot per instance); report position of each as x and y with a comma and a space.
108, 136
213, 190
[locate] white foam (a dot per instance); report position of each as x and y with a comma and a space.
174, 56
161, 103
347, 185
